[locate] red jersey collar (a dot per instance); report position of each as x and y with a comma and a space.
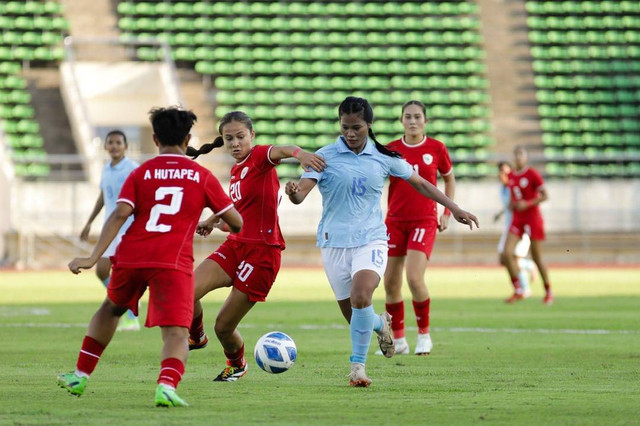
416, 145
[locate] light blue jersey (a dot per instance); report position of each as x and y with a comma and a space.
505, 196
111, 183
351, 187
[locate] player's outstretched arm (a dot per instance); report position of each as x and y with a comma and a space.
430, 191
308, 160
450, 192
298, 191
109, 232
84, 235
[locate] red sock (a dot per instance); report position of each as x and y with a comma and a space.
171, 371
396, 310
516, 284
236, 359
547, 287
89, 355
421, 310
196, 331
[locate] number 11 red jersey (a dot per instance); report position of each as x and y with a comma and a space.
168, 194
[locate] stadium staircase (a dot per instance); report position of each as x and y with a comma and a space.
514, 114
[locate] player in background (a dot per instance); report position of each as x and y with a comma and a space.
248, 261
114, 174
412, 223
527, 192
166, 195
351, 232
521, 251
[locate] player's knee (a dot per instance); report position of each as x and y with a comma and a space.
222, 328
113, 309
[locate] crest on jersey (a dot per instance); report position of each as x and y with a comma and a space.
524, 182
428, 159
244, 171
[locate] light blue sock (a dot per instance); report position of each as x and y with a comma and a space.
361, 327
523, 276
105, 282
131, 315
377, 323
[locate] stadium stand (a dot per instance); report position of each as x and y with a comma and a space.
288, 64
587, 65
32, 33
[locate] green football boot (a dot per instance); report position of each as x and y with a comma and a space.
72, 383
168, 398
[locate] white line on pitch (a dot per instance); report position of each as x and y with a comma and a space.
344, 327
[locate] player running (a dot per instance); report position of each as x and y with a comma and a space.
250, 260
527, 192
166, 195
412, 223
114, 174
351, 232
522, 248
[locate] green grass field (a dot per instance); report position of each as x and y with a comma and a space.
576, 362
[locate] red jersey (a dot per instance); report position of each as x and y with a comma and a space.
525, 185
427, 158
168, 194
253, 188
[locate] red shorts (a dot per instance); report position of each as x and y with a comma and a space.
530, 225
171, 294
253, 267
411, 235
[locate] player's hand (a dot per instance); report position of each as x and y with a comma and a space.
206, 226
80, 263
520, 205
291, 188
443, 223
84, 235
465, 218
311, 161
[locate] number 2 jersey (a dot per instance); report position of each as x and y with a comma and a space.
427, 158
253, 188
168, 194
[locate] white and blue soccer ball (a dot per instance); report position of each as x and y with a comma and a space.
275, 352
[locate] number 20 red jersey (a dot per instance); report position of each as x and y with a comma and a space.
253, 188
168, 194
427, 158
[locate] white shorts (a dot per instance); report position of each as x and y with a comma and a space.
341, 264
522, 248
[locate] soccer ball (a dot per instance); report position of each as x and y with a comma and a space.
275, 352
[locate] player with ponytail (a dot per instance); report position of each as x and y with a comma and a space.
249, 260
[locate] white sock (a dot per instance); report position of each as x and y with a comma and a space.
167, 387
402, 341
81, 373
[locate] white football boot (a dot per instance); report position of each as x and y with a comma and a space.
385, 336
423, 344
402, 347
357, 377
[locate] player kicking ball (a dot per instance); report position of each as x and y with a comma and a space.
166, 195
